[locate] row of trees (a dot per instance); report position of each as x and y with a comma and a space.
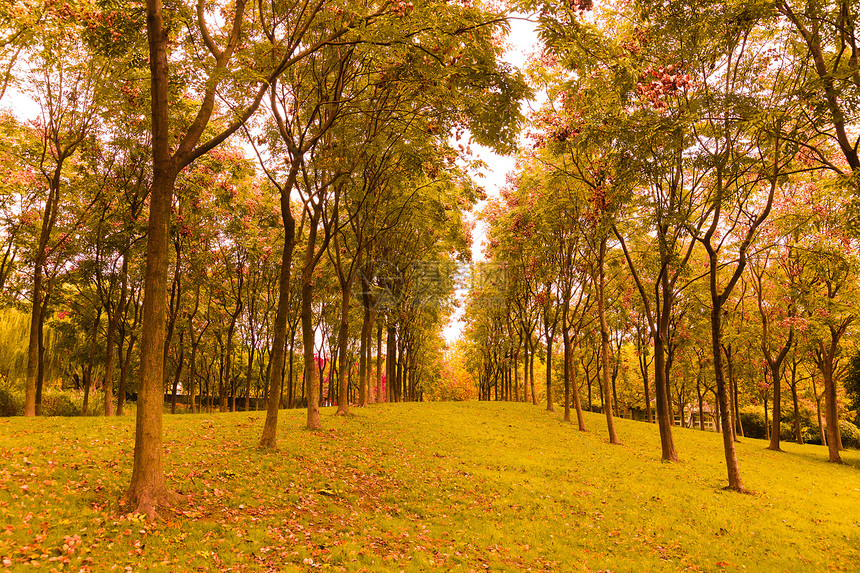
688, 201
132, 215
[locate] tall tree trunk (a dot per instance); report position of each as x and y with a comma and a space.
699, 394
532, 372
398, 385
390, 359
364, 356
604, 342
192, 368
124, 367
291, 394
525, 370
516, 375
830, 411
733, 388
732, 466
566, 345
777, 409
33, 346
818, 397
269, 436
311, 378
180, 362
379, 394
88, 371
798, 436
342, 340
766, 420
148, 489
40, 375
248, 371
549, 405
49, 218
107, 384
643, 368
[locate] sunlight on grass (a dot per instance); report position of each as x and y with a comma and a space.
417, 487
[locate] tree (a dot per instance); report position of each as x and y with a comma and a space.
65, 90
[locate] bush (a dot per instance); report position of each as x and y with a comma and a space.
786, 431
11, 403
753, 423
811, 435
59, 404
850, 434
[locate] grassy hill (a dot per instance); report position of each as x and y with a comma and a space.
418, 487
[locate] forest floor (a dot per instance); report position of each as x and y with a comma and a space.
418, 487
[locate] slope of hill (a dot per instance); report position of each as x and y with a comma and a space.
416, 487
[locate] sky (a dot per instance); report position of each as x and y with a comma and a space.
523, 42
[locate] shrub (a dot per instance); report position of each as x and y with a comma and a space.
11, 403
811, 435
753, 423
59, 404
786, 431
850, 434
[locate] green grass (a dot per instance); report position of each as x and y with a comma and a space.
418, 487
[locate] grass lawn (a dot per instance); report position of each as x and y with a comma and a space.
418, 487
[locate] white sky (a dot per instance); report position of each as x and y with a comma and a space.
524, 42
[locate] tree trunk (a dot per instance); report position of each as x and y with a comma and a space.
123, 374
532, 375
777, 408
40, 374
33, 346
107, 383
525, 370
342, 340
312, 389
766, 420
798, 436
567, 366
818, 397
516, 375
604, 343
699, 395
269, 436
364, 357
390, 358
737, 427
732, 466
192, 368
830, 412
379, 394
180, 363
248, 371
644, 368
148, 489
88, 372
549, 405
399, 394
291, 386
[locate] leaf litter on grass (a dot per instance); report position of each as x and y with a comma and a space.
415, 487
